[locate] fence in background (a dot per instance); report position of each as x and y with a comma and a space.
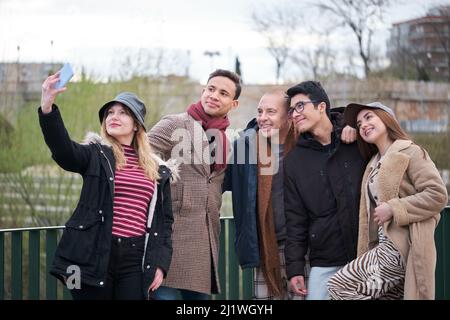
26, 255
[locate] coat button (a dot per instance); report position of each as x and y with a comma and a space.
81, 227
148, 266
101, 283
164, 171
111, 178
155, 234
100, 211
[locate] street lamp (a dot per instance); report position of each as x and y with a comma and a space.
18, 64
211, 55
51, 55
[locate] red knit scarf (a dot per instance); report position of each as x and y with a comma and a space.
197, 112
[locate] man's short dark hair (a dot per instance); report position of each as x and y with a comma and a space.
230, 75
311, 89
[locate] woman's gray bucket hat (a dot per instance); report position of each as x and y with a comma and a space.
352, 110
131, 101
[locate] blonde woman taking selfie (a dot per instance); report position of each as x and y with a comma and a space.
119, 235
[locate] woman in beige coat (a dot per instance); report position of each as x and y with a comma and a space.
402, 195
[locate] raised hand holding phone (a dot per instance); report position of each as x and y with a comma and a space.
65, 74
52, 87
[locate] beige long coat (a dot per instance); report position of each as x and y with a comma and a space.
196, 201
413, 188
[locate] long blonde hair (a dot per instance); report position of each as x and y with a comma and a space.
140, 144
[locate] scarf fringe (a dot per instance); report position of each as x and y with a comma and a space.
270, 265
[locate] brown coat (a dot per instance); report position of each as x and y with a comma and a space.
196, 201
413, 188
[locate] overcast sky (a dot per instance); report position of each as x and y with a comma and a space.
98, 34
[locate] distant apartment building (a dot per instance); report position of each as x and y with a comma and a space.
420, 48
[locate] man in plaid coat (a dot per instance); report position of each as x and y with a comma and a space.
196, 138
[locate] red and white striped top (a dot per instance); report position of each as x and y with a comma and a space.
132, 194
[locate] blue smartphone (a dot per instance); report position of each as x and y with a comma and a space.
66, 73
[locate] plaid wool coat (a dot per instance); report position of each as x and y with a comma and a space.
196, 201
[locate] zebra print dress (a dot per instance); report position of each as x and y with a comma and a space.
377, 274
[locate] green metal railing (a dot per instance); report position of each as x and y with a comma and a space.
37, 259
442, 238
235, 282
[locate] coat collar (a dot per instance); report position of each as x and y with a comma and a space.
398, 145
395, 164
95, 138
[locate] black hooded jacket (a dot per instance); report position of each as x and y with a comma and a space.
322, 191
86, 240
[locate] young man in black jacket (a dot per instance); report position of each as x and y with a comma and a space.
321, 192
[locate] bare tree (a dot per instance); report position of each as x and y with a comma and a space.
350, 69
361, 16
278, 25
401, 59
317, 60
420, 61
145, 62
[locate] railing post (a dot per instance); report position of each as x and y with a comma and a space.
233, 264
50, 247
442, 278
34, 246
446, 253
222, 263
2, 265
16, 265
66, 294
247, 283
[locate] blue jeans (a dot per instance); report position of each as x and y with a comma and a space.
317, 282
167, 293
